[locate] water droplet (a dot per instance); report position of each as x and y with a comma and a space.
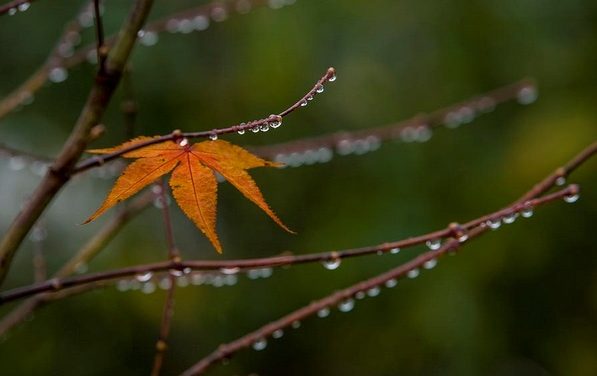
466, 115
560, 180
414, 273
319, 89
380, 252
332, 264
176, 273
260, 344
344, 147
323, 313
373, 291
197, 279
255, 129
264, 127
509, 218
149, 38
230, 280
182, 281
527, 95
24, 6
165, 283
66, 49
295, 324
253, 273
527, 211
12, 11
241, 131
346, 305
276, 123
86, 19
200, 22
81, 268
423, 133
183, 142
16, 163
277, 334
122, 285
310, 98
360, 295
172, 25
494, 224
148, 288
434, 244
57, 74
219, 14
430, 264
229, 271
332, 78
390, 283
38, 234
395, 251
571, 198
213, 136
452, 120
304, 103
266, 272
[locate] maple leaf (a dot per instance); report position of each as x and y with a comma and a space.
193, 181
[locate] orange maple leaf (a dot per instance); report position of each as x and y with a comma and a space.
193, 181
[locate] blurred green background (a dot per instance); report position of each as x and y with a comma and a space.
519, 301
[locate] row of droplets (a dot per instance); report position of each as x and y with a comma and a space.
148, 282
19, 8
346, 305
201, 21
411, 133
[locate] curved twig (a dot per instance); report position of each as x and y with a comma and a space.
329, 75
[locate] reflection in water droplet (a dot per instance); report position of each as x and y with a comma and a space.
57, 74
395, 251
434, 244
390, 283
494, 224
277, 334
260, 344
332, 264
373, 292
324, 312
144, 277
346, 305
414, 273
430, 264
509, 218
571, 198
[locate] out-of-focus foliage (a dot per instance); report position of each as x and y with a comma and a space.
519, 301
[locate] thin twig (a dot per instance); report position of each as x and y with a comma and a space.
57, 284
161, 345
329, 75
102, 51
90, 116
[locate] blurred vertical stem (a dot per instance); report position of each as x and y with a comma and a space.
106, 81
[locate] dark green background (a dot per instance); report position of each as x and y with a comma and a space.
519, 301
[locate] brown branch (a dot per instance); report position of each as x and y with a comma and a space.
417, 128
270, 121
57, 284
91, 115
87, 252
